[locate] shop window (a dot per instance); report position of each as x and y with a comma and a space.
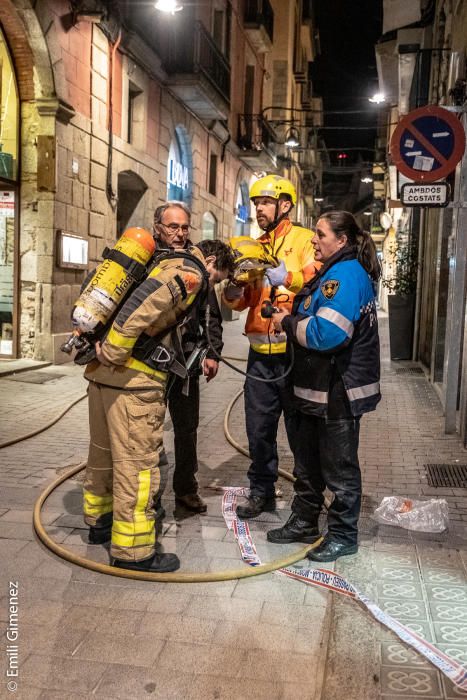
8, 115
209, 226
9, 129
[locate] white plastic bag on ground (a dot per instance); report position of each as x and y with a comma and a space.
423, 516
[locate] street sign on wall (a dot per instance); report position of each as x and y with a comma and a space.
427, 144
418, 194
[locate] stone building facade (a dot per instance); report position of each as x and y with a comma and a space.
106, 113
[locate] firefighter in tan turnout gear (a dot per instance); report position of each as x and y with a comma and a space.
127, 387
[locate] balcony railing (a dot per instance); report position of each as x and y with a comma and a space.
255, 133
256, 139
259, 23
199, 54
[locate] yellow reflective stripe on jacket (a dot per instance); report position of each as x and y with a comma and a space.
97, 505
155, 271
121, 341
131, 363
191, 299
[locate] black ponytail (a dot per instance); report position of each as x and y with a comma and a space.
342, 223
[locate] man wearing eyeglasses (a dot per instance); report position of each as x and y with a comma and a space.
172, 224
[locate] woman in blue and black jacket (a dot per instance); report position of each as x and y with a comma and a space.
334, 330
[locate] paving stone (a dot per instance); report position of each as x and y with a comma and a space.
402, 682
48, 640
143, 650
177, 628
224, 608
126, 681
54, 673
413, 610
450, 632
202, 659
212, 688
452, 594
399, 591
394, 653
452, 692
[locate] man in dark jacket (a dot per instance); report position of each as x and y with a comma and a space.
171, 230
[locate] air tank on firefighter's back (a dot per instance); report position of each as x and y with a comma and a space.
122, 266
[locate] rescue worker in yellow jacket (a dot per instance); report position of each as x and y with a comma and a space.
126, 406
274, 197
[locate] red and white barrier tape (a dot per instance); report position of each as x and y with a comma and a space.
333, 582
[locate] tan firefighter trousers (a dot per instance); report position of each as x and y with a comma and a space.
122, 476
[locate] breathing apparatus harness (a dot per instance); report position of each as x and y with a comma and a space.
169, 357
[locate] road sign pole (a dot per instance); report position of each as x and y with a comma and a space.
457, 255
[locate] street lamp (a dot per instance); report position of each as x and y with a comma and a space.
366, 180
170, 6
378, 98
292, 138
367, 213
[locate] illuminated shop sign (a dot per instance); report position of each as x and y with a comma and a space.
243, 213
178, 174
180, 167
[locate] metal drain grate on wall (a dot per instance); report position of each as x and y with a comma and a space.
454, 475
409, 370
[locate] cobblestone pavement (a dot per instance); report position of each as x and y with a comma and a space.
85, 635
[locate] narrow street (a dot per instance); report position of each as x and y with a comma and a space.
263, 637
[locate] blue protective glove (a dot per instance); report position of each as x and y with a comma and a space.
277, 275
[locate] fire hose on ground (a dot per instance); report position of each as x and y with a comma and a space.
73, 558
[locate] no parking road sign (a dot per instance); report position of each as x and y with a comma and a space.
427, 144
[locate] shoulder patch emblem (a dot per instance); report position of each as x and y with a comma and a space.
329, 288
191, 281
307, 303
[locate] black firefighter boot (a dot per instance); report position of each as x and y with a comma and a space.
295, 530
158, 563
255, 505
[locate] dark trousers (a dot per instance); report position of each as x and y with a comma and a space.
184, 412
264, 404
326, 454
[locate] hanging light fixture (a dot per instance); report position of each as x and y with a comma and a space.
169, 6
292, 138
378, 98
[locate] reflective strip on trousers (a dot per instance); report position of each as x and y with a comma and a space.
141, 530
95, 506
311, 394
363, 392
